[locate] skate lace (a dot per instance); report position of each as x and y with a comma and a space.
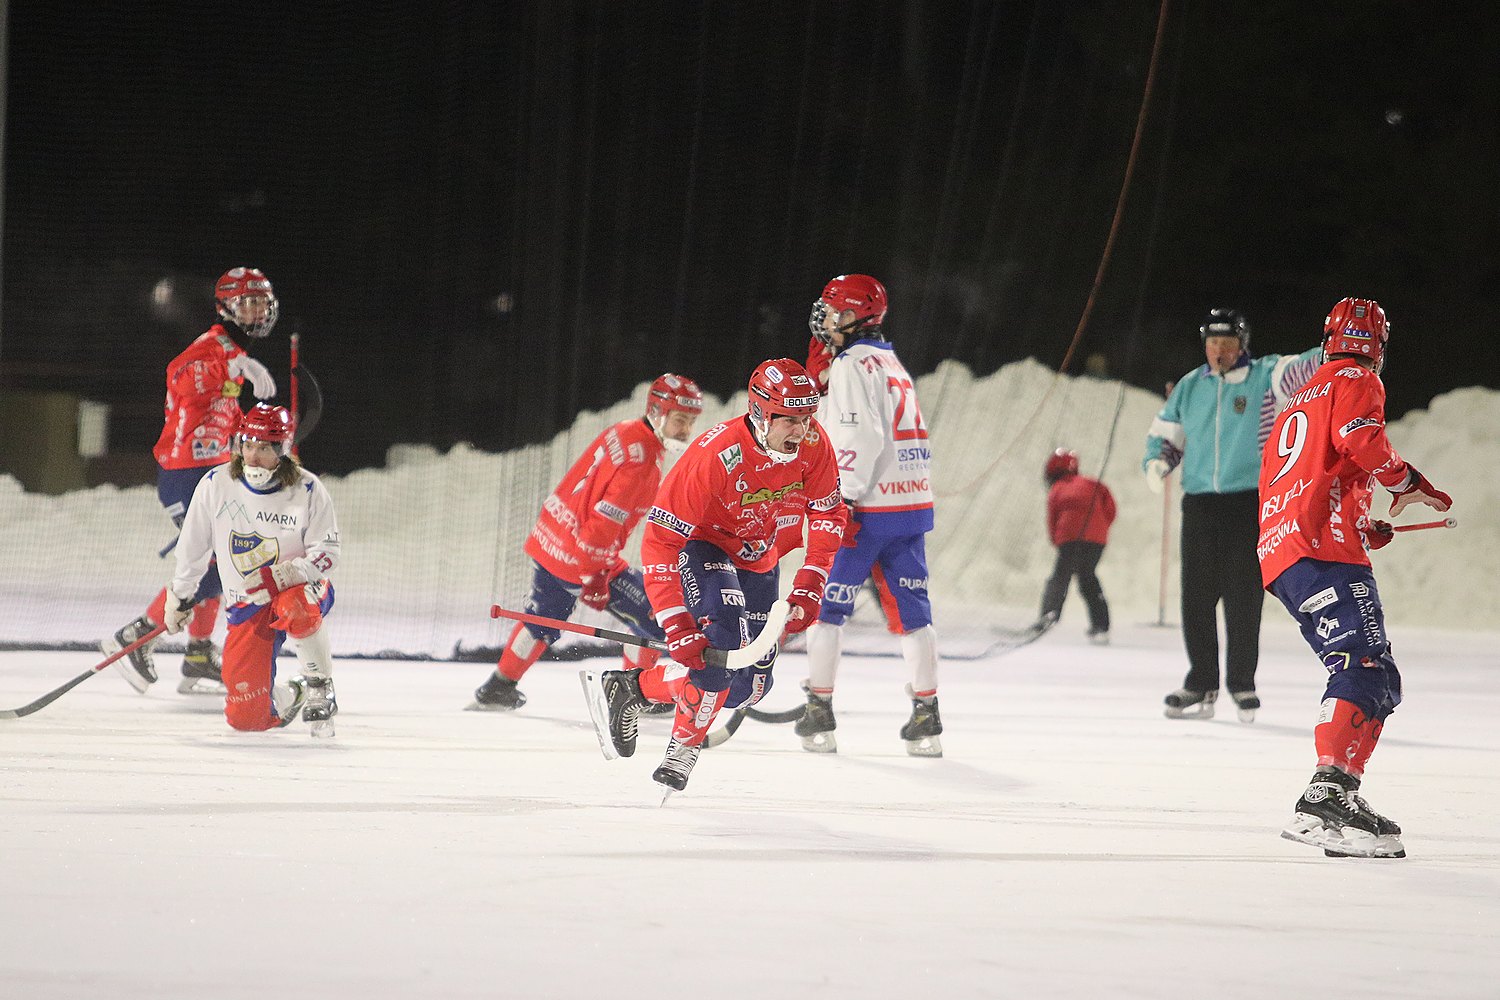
680, 759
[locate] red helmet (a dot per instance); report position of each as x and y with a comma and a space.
1359, 327
1061, 462
271, 424
781, 387
245, 298
858, 293
673, 394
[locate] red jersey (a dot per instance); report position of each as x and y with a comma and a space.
1079, 509
585, 522
200, 419
726, 490
1317, 468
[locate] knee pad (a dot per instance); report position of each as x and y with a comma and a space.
1371, 683
296, 613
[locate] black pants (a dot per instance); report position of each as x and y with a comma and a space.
1219, 532
1077, 559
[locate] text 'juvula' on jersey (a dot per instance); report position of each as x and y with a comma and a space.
200, 419
1317, 469
586, 521
879, 439
246, 530
725, 490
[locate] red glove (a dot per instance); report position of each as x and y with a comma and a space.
1379, 534
1418, 490
851, 529
596, 585
805, 598
685, 643
819, 357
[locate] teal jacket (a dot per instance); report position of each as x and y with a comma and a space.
1215, 425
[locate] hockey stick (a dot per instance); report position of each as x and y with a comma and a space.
1447, 522
57, 693
732, 659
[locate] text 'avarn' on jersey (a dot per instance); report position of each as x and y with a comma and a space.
247, 529
880, 441
586, 521
1317, 467
727, 491
200, 419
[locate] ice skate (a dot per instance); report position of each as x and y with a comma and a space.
923, 728
1245, 704
201, 669
676, 767
321, 706
817, 724
139, 667
497, 694
1328, 815
1099, 636
1185, 704
615, 703
288, 700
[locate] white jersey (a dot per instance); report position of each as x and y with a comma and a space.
871, 415
246, 529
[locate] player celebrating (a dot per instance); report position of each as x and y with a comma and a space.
875, 426
1315, 482
270, 526
710, 560
202, 411
582, 528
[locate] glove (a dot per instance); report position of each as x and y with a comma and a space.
1157, 471
805, 598
596, 585
819, 357
177, 613
1379, 534
1418, 490
259, 376
268, 581
851, 530
685, 643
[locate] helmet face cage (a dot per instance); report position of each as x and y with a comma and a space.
1226, 323
1357, 327
245, 298
857, 293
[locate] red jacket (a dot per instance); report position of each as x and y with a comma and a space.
586, 520
200, 419
1079, 509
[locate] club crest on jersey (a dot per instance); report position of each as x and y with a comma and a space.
1239, 404
249, 551
731, 457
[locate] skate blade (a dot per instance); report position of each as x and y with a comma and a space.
124, 667
322, 729
593, 695
820, 743
1202, 710
927, 746
1245, 714
199, 685
1304, 829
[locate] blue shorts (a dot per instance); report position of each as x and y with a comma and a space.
1337, 607
900, 567
730, 605
174, 488
554, 597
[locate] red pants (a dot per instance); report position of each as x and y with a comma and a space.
250, 656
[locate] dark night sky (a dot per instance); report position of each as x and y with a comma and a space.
667, 186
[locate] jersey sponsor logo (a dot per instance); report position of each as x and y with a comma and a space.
732, 457
669, 521
1353, 371
765, 493
249, 551
1311, 392
617, 514
913, 582
718, 567
848, 418
209, 449
827, 503
732, 598
285, 520
753, 550
710, 434
1272, 538
1277, 504
787, 521
840, 593
904, 486
1356, 424
1326, 626
1318, 601
917, 454
826, 525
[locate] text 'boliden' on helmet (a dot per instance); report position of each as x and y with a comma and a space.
779, 388
672, 394
1226, 323
1061, 462
245, 298
858, 294
1358, 327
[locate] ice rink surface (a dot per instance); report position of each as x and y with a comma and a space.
1072, 843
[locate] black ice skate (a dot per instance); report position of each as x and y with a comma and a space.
139, 668
1185, 704
288, 700
676, 767
1245, 704
817, 724
321, 706
615, 704
923, 728
1098, 636
201, 669
497, 694
1328, 815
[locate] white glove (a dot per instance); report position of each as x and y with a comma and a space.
268, 581
176, 614
1157, 470
261, 382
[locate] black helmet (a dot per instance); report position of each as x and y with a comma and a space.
1226, 323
